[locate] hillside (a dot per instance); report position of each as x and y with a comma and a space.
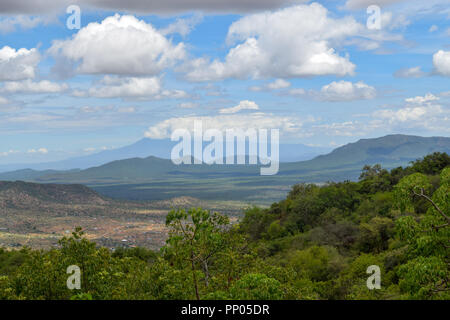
145, 148
391, 150
154, 178
24, 194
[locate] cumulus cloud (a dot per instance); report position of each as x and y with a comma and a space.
113, 87
347, 91
130, 87
278, 84
421, 112
410, 113
415, 72
429, 97
441, 62
338, 91
28, 86
120, 45
286, 125
297, 41
274, 85
18, 64
243, 105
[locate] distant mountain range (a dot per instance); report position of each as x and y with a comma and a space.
153, 178
151, 147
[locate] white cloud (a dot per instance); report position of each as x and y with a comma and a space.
441, 62
187, 105
415, 72
347, 91
419, 113
286, 125
421, 100
274, 85
297, 92
433, 28
297, 41
278, 84
114, 87
9, 24
337, 91
18, 64
28, 86
120, 45
131, 87
394, 21
40, 151
183, 26
243, 105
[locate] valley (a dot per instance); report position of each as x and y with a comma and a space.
38, 215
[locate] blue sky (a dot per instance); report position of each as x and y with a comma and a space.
314, 70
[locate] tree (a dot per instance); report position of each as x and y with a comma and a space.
431, 164
426, 274
257, 287
195, 237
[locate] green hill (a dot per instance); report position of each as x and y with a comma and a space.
158, 179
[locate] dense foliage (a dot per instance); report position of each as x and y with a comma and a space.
316, 244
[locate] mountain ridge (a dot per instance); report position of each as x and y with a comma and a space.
144, 148
153, 178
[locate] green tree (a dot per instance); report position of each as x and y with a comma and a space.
196, 236
426, 274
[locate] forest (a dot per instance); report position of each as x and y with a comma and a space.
318, 244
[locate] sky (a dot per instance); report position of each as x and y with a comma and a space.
325, 73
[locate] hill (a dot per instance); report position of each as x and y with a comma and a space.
149, 147
390, 151
24, 194
154, 178
37, 215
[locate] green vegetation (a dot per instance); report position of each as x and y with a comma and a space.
315, 244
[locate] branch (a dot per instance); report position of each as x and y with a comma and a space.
423, 195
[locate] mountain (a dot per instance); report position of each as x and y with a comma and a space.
390, 151
151, 147
153, 178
